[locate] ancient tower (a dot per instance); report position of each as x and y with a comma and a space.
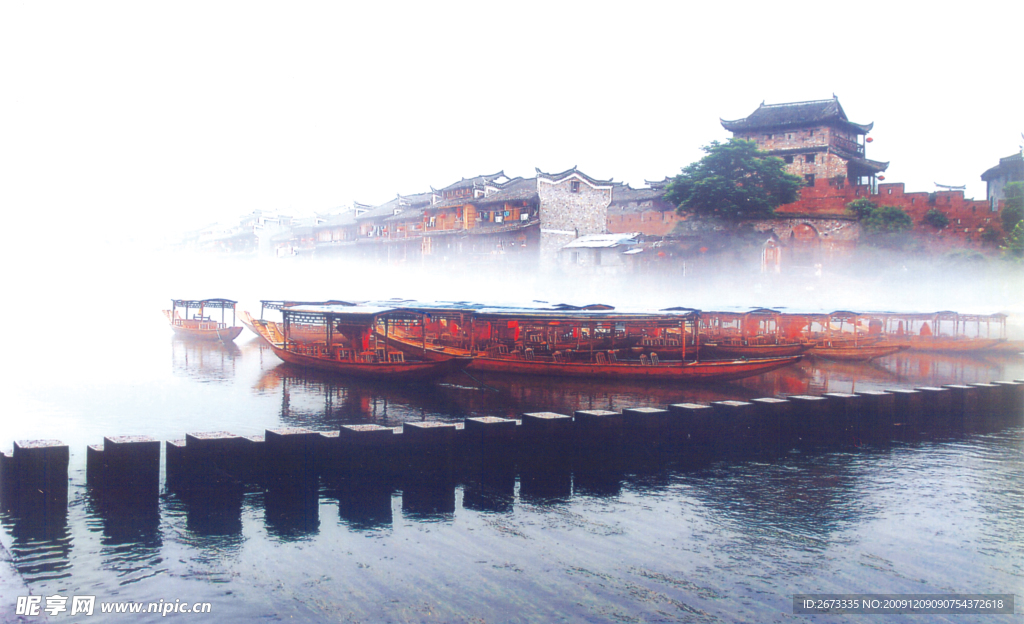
816, 140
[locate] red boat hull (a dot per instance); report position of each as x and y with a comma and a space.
202, 330
855, 354
712, 370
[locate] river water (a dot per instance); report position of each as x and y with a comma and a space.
731, 539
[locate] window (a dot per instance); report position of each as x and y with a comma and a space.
811, 134
788, 159
574, 186
810, 179
809, 159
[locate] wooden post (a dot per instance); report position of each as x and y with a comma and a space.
696, 337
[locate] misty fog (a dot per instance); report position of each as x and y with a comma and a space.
130, 285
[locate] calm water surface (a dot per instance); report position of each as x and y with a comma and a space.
728, 540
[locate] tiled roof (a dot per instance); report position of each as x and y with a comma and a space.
479, 180
1012, 166
558, 177
623, 193
409, 214
345, 218
796, 114
400, 202
870, 165
516, 189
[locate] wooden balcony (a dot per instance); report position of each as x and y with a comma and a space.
848, 146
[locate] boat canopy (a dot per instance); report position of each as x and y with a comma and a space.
203, 303
346, 314
584, 315
274, 304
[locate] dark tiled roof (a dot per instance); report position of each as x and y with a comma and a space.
796, 114
409, 214
479, 180
345, 218
659, 184
871, 165
624, 194
452, 203
558, 177
1012, 166
401, 202
516, 189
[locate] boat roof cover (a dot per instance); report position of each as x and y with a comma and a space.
340, 310
581, 314
203, 303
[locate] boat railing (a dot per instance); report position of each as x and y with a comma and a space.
203, 324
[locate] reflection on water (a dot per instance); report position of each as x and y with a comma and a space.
204, 360
41, 543
323, 401
131, 538
632, 533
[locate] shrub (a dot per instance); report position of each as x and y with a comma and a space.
936, 218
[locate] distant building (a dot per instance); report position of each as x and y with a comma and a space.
643, 210
572, 204
1009, 169
816, 139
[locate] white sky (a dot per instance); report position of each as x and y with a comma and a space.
135, 115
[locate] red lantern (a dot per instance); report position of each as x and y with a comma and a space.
881, 177
869, 139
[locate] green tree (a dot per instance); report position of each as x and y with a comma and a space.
1013, 245
882, 226
936, 218
861, 208
1013, 206
734, 181
887, 220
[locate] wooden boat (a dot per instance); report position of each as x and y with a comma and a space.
298, 332
562, 365
1009, 347
859, 353
725, 349
945, 331
200, 326
537, 358
951, 344
347, 348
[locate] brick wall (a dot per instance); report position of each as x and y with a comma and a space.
653, 217
968, 218
816, 141
569, 207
